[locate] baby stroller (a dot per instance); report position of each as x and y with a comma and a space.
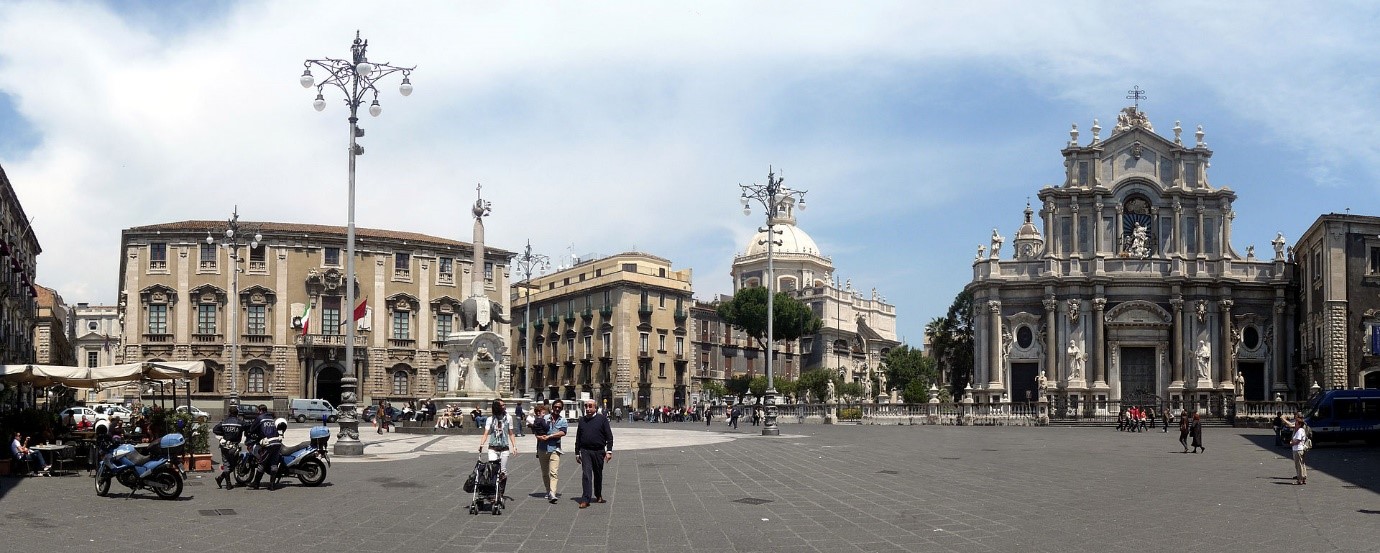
486, 484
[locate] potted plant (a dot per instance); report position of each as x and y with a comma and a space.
197, 456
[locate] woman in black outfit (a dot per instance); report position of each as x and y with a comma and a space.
1196, 430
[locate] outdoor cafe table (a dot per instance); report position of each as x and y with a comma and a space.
55, 453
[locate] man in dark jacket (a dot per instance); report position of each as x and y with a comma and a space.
593, 447
231, 431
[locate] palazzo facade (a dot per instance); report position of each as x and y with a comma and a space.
277, 331
1130, 290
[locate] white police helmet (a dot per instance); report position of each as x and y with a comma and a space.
281, 424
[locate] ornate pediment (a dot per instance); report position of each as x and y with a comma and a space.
1138, 313
257, 295
207, 293
158, 294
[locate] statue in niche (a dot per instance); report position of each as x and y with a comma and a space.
1139, 248
1074, 307
1076, 359
1200, 309
1203, 359
1041, 383
1240, 383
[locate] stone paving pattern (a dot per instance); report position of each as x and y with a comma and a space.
675, 487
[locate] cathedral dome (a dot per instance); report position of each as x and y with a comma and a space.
792, 238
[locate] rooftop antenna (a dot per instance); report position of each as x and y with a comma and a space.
1136, 94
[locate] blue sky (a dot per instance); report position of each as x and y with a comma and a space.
916, 127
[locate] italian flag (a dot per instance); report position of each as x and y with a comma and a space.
306, 319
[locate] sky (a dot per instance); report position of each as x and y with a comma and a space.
603, 127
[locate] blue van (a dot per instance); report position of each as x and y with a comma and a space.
1344, 415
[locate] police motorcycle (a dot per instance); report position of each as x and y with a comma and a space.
134, 470
307, 461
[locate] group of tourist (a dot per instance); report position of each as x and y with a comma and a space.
593, 444
1139, 419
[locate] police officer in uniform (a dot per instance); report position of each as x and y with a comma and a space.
270, 446
231, 431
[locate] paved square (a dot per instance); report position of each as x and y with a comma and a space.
682, 487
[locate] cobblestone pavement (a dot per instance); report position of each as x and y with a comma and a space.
682, 487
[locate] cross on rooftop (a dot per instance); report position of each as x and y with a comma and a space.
1136, 94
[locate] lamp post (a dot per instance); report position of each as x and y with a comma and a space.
528, 262
355, 78
775, 199
234, 238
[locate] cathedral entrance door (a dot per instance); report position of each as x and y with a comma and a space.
1023, 382
1138, 374
1254, 374
328, 385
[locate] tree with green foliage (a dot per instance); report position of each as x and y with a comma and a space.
786, 387
738, 386
713, 389
905, 365
851, 391
816, 382
747, 311
951, 338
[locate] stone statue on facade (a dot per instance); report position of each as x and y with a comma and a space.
1140, 242
1203, 359
981, 249
997, 241
1278, 243
1200, 309
881, 383
1041, 383
1076, 359
1074, 307
1240, 383
830, 394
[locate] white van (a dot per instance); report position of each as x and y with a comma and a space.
302, 410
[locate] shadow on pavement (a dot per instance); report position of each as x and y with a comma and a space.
1350, 462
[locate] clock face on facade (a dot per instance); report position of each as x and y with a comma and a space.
1028, 250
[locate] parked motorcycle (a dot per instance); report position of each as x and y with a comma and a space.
307, 461
137, 471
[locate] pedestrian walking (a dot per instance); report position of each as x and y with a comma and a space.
498, 435
708, 414
593, 448
521, 419
1279, 426
549, 430
1183, 429
1300, 444
1195, 430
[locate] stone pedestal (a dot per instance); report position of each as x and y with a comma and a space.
476, 363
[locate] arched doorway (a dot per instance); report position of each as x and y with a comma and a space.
1371, 379
328, 384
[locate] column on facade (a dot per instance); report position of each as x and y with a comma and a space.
1224, 376
1176, 345
1178, 228
1073, 228
1198, 236
1120, 216
1051, 339
1097, 226
1048, 215
1227, 217
1276, 345
994, 360
1099, 349
1154, 229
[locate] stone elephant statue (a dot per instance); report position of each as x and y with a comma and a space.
468, 317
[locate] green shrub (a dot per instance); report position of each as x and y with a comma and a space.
198, 434
850, 413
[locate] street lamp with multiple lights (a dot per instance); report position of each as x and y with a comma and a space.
234, 238
527, 263
771, 195
356, 78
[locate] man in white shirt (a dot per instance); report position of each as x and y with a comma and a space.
1299, 443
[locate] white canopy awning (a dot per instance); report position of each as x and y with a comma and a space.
94, 377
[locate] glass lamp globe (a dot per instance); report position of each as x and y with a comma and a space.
375, 109
320, 103
364, 69
229, 233
801, 205
307, 79
406, 88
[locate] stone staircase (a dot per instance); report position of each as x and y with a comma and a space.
1111, 423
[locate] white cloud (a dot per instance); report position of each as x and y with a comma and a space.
613, 125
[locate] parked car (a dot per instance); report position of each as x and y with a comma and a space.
197, 413
368, 413
72, 415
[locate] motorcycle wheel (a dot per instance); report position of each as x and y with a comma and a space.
244, 473
312, 472
167, 484
102, 481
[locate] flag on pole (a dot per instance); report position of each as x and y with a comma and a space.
306, 319
362, 309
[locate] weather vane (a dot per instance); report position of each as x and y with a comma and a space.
1136, 94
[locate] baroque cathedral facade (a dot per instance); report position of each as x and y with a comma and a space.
1130, 289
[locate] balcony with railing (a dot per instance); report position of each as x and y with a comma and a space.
402, 343
587, 313
256, 339
258, 266
569, 317
205, 338
158, 338
606, 312
681, 315
644, 310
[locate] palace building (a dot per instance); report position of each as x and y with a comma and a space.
178, 291
1129, 289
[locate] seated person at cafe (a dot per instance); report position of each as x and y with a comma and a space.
23, 456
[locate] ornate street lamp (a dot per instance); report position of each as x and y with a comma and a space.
356, 78
235, 236
772, 196
527, 263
